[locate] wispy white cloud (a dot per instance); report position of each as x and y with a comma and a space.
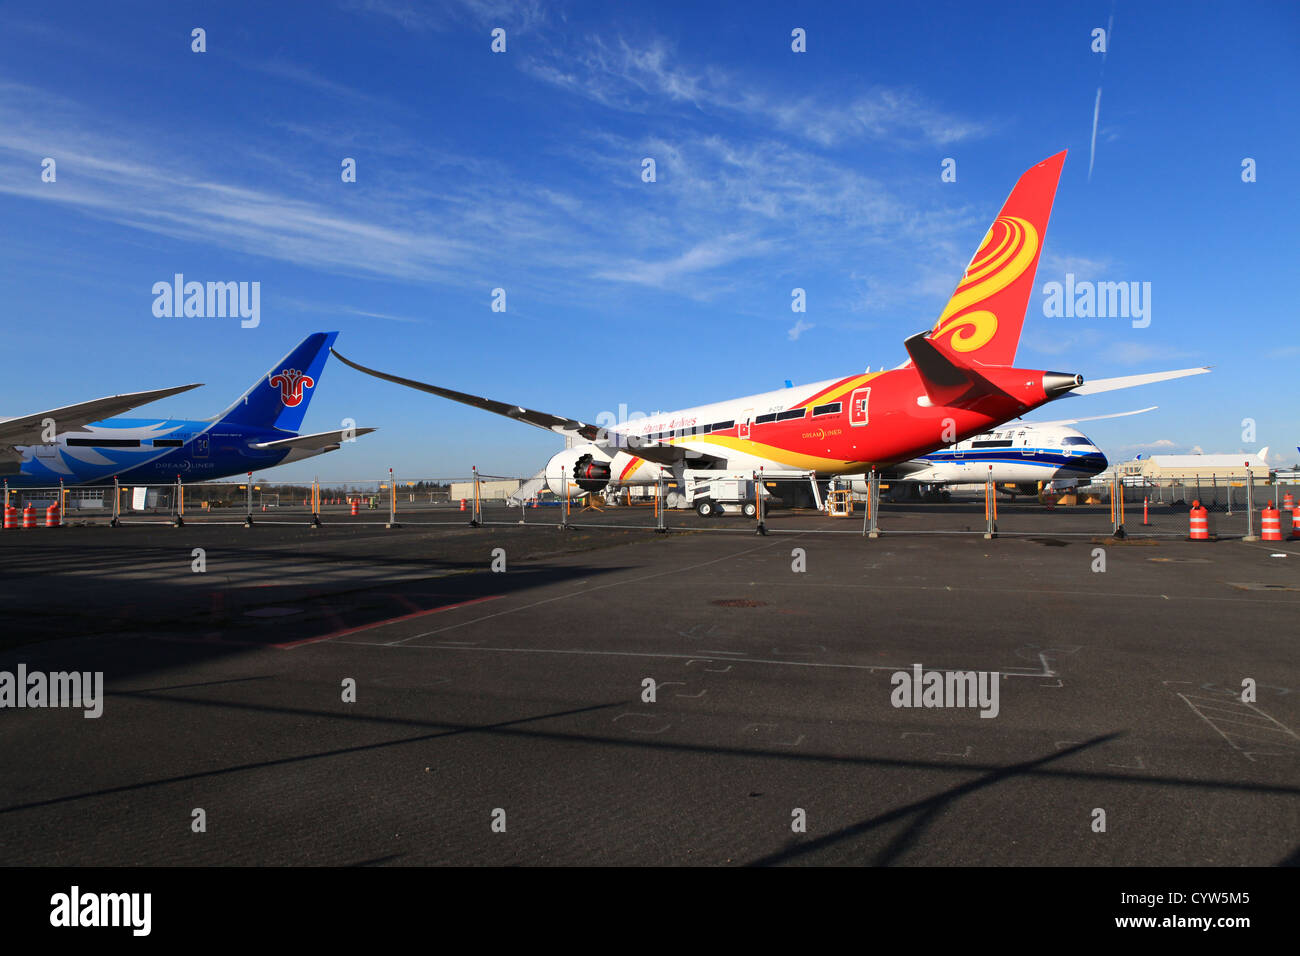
645, 78
704, 256
300, 75
1053, 266
441, 15
798, 329
1134, 353
334, 308
473, 221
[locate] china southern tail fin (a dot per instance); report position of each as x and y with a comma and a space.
279, 398
982, 320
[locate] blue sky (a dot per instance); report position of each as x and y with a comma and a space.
522, 170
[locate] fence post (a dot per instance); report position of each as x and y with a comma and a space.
392, 499
661, 524
761, 527
990, 496
474, 521
248, 502
178, 505
866, 510
564, 480
873, 502
315, 503
1250, 505
1119, 507
116, 520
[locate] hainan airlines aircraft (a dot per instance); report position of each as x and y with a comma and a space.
258, 431
958, 382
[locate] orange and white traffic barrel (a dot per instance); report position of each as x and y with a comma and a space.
1295, 524
462, 504
52, 516
1200, 523
1270, 524
29, 515
353, 510
11, 516
1288, 502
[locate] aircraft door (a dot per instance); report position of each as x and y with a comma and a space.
742, 425
858, 401
201, 446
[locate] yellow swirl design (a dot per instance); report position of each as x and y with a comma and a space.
969, 331
1009, 247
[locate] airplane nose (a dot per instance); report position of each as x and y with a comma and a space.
1095, 462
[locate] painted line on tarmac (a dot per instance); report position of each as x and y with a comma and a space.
671, 655
1017, 591
1266, 547
290, 645
599, 587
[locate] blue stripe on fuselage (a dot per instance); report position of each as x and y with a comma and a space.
1041, 457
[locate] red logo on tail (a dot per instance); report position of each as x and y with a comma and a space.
291, 383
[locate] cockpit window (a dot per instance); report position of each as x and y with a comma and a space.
1076, 441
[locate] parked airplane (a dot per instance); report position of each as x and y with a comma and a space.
258, 431
958, 382
1017, 457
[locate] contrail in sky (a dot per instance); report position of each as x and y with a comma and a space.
1096, 107
1096, 114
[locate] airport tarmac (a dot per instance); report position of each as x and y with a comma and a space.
517, 695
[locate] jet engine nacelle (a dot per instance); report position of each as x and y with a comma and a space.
577, 471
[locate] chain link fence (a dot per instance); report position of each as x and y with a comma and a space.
733, 503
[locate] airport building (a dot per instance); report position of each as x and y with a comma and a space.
1164, 467
494, 488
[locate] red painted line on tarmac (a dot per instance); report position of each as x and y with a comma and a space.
288, 645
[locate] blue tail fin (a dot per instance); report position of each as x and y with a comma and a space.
279, 398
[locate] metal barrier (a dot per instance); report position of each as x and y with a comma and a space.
1118, 507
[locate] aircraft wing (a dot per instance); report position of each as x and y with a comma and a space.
1092, 418
26, 429
660, 453
314, 442
904, 470
1129, 381
552, 423
663, 453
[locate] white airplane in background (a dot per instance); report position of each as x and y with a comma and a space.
1017, 454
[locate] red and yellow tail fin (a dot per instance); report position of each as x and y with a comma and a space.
982, 320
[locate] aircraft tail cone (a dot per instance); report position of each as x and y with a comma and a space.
1056, 384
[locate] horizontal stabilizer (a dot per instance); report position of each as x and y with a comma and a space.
946, 382
1129, 381
315, 442
1093, 418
